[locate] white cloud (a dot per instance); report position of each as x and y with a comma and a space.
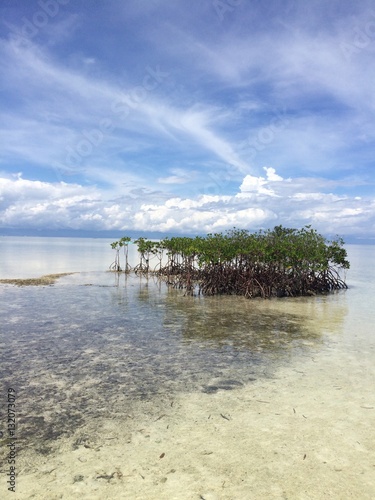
269, 89
26, 203
272, 175
252, 184
125, 118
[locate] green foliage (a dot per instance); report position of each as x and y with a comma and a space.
279, 261
116, 245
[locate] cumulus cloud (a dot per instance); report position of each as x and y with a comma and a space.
272, 175
25, 203
259, 202
98, 132
261, 185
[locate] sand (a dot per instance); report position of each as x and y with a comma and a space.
307, 433
47, 279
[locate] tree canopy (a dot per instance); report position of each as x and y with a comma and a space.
278, 262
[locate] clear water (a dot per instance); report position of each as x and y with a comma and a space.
97, 343
26, 257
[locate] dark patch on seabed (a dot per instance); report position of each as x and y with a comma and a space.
75, 353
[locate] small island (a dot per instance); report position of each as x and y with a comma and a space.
282, 262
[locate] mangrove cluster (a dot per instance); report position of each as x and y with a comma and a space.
280, 262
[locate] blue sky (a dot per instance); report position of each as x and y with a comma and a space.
187, 117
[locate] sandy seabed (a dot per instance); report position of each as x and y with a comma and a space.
306, 433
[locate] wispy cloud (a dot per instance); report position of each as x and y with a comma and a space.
135, 106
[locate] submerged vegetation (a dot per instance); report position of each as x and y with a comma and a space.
47, 279
282, 262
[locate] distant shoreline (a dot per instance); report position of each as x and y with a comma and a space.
24, 233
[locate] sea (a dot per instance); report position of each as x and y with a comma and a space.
97, 340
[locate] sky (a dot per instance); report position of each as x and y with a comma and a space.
187, 117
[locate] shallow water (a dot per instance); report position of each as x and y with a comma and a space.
91, 342
97, 344
31, 257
